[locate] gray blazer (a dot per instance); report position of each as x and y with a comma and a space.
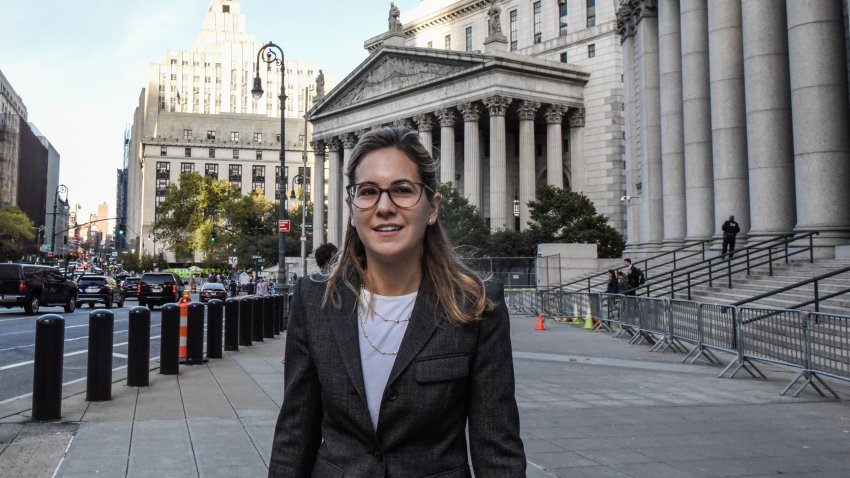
444, 377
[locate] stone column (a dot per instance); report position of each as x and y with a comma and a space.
348, 142
649, 152
500, 217
626, 31
672, 141
770, 144
728, 115
318, 192
820, 118
554, 146
447, 145
527, 170
426, 123
696, 119
335, 193
471, 159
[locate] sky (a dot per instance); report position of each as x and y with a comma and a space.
79, 66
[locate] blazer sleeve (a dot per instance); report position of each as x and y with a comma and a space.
297, 435
494, 440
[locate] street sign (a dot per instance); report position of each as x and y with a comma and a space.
45, 248
303, 238
233, 260
283, 225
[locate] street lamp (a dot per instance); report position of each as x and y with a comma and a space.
269, 54
61, 189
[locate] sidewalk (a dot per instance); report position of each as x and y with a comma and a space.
590, 405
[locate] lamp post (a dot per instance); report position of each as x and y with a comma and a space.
268, 53
304, 193
61, 189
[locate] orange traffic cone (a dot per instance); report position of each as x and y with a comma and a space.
540, 322
183, 303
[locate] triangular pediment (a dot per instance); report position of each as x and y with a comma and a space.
395, 70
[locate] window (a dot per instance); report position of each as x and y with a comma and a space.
187, 134
258, 137
163, 150
563, 57
591, 50
235, 172
257, 186
212, 152
210, 134
538, 34
448, 41
163, 170
225, 9
591, 13
301, 175
259, 155
513, 30
258, 174
468, 38
187, 168
277, 138
161, 186
187, 152
234, 136
235, 154
562, 15
211, 170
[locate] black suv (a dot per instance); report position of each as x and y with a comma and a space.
130, 286
99, 289
31, 286
157, 288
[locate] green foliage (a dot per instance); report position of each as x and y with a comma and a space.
16, 230
565, 216
464, 225
507, 243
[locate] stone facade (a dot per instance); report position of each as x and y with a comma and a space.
754, 113
541, 105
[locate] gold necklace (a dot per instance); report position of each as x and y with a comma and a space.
375, 311
369, 340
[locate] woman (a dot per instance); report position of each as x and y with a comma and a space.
392, 354
612, 283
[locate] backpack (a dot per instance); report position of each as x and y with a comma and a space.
641, 277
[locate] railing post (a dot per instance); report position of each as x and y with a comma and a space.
817, 298
47, 368
99, 370
214, 315
748, 261
702, 244
710, 272
786, 249
672, 287
770, 260
139, 347
729, 271
689, 286
811, 249
169, 342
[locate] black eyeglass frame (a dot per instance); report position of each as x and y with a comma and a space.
349, 190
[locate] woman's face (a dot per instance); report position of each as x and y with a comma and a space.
391, 233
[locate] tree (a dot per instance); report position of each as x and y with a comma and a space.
570, 217
16, 230
464, 225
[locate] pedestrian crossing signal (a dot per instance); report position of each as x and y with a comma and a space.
213, 237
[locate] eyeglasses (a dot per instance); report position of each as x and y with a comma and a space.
403, 194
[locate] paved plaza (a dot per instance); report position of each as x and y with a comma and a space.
590, 405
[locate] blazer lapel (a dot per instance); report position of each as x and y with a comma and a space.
423, 323
346, 337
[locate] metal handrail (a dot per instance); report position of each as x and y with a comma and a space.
813, 280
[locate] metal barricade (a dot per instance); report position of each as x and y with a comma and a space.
629, 317
609, 311
656, 324
829, 345
522, 301
684, 324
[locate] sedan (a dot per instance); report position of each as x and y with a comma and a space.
98, 288
213, 290
131, 287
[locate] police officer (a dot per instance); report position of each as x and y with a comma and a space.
730, 229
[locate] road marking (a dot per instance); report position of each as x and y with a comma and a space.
69, 354
84, 337
66, 328
122, 356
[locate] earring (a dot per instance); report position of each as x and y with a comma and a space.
430, 221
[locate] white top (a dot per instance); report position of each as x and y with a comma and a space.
381, 332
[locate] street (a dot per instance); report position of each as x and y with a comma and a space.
17, 345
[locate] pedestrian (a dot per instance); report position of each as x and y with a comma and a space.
622, 283
634, 274
611, 284
324, 255
730, 230
250, 287
358, 400
232, 288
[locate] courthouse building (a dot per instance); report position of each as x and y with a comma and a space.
736, 107
197, 113
509, 96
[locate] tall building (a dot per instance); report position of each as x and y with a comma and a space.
60, 208
509, 95
121, 194
197, 114
737, 108
12, 113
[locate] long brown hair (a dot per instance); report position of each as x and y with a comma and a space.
458, 289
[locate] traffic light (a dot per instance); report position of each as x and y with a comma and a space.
122, 229
213, 236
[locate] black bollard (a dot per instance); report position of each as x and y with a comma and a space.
195, 334
275, 321
281, 310
246, 321
99, 376
257, 316
139, 347
231, 324
268, 317
214, 314
287, 300
47, 374
169, 342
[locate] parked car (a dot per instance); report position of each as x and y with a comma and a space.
131, 287
98, 288
213, 290
157, 288
32, 286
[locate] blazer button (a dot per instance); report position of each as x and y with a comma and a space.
390, 394
379, 457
